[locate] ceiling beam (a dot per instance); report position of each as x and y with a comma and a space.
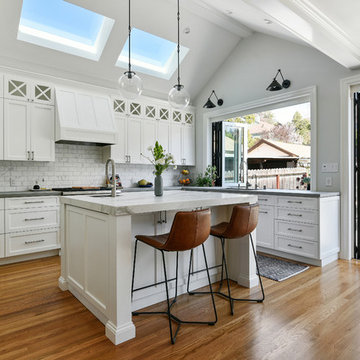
303, 19
209, 13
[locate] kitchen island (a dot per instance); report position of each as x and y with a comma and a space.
97, 239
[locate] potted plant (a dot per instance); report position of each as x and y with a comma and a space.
161, 161
209, 177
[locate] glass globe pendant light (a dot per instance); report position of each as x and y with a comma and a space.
178, 97
131, 85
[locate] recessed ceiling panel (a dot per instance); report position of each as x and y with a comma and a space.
62, 26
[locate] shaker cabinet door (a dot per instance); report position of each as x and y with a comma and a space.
42, 132
16, 130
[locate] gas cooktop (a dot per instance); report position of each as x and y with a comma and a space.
82, 190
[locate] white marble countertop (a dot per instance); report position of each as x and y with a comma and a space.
146, 202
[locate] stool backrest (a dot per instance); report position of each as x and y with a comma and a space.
189, 230
244, 219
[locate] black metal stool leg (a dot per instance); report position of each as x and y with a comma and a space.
189, 274
227, 278
133, 272
211, 290
173, 338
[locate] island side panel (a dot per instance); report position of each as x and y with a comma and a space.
119, 327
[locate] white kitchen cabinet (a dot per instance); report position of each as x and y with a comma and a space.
16, 130
2, 228
118, 151
265, 227
148, 137
28, 131
176, 142
133, 141
163, 134
31, 225
29, 90
42, 142
188, 145
1, 129
182, 143
299, 228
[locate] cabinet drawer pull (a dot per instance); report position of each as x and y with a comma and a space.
297, 230
32, 155
33, 219
34, 241
263, 199
263, 212
294, 246
298, 215
34, 202
294, 202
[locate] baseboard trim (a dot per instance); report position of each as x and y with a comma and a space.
27, 257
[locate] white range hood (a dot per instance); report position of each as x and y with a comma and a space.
84, 117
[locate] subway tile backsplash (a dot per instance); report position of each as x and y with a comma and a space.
74, 165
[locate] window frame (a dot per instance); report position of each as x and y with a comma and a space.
308, 94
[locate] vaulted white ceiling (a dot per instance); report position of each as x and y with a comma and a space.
216, 27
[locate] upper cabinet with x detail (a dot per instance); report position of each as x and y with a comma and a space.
19, 88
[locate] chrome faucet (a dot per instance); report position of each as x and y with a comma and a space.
113, 188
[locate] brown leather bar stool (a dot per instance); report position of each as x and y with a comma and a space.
189, 230
243, 221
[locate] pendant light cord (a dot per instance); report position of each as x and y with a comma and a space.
178, 45
129, 74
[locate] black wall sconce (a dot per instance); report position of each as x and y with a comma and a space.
275, 85
209, 104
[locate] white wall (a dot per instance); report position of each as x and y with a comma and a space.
75, 165
244, 76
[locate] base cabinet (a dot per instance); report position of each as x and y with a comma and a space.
29, 225
300, 228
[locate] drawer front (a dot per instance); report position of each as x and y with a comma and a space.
290, 229
2, 221
266, 199
298, 202
2, 204
265, 227
20, 243
31, 202
298, 247
2, 246
306, 216
31, 219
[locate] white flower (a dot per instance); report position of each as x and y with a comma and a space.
175, 167
160, 161
149, 148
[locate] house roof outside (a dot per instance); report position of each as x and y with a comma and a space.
270, 149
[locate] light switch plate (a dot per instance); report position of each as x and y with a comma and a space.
328, 181
329, 167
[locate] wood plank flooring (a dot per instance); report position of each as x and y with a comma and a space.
315, 315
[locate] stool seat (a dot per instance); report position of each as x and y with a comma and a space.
219, 229
156, 241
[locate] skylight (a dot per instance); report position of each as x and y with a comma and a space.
151, 54
62, 26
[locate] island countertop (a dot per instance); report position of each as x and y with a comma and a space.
145, 202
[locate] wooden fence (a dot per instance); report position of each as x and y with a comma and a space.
285, 178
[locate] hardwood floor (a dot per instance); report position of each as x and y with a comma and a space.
315, 315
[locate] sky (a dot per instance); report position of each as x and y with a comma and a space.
284, 115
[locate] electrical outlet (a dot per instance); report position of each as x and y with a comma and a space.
329, 167
328, 181
12, 182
